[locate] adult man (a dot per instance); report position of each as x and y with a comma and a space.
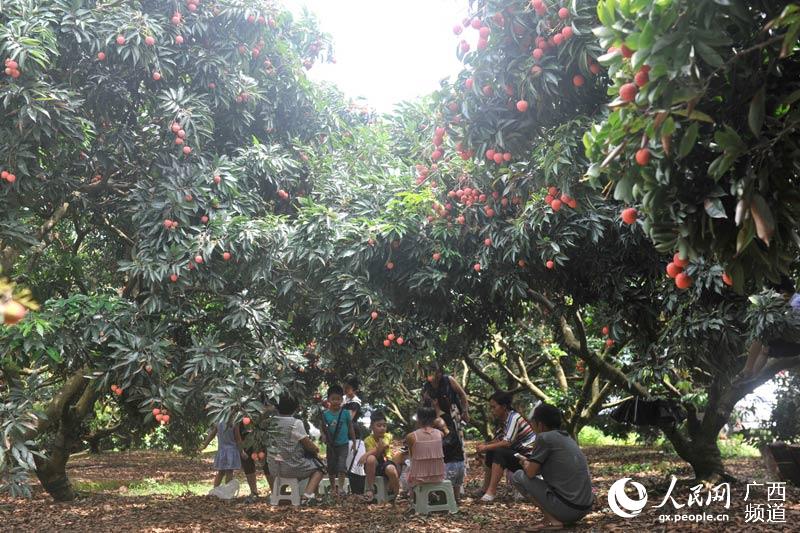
564, 490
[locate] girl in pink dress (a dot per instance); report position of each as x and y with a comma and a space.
425, 447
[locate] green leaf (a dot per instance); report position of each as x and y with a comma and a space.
789, 39
728, 139
755, 117
745, 236
714, 209
792, 98
647, 38
720, 166
606, 12
709, 55
54, 354
763, 218
624, 189
668, 127
688, 140
694, 115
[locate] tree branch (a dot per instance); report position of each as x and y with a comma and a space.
527, 383
54, 219
617, 402
396, 411
480, 373
597, 402
561, 377
74, 385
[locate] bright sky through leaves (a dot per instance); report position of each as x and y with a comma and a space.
387, 51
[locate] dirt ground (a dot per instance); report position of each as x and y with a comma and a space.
111, 509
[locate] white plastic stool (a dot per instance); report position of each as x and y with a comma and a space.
422, 495
325, 486
379, 489
295, 490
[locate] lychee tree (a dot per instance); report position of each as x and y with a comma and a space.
456, 256
700, 136
480, 122
151, 155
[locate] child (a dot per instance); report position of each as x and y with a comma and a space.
338, 432
425, 448
249, 458
229, 450
376, 461
453, 449
351, 400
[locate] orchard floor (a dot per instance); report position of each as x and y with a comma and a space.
120, 492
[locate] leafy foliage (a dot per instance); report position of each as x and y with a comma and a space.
715, 107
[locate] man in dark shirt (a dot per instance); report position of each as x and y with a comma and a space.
555, 474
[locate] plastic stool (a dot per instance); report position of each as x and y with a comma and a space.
422, 495
379, 489
295, 489
325, 486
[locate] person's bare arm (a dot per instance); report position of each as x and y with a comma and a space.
493, 445
367, 453
463, 395
531, 468
237, 435
308, 445
211, 434
410, 439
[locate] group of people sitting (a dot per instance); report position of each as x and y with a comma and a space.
544, 463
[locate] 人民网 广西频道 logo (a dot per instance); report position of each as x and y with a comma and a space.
621, 503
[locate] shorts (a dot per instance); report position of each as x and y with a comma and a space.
249, 466
547, 499
454, 472
504, 457
781, 348
337, 459
380, 469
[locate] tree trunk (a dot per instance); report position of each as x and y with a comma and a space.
52, 474
573, 426
95, 439
700, 450
62, 433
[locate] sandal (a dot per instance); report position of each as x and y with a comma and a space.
487, 498
368, 496
308, 500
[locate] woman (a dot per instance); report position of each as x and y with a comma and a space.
447, 395
517, 437
288, 449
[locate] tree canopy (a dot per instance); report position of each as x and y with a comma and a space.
205, 228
